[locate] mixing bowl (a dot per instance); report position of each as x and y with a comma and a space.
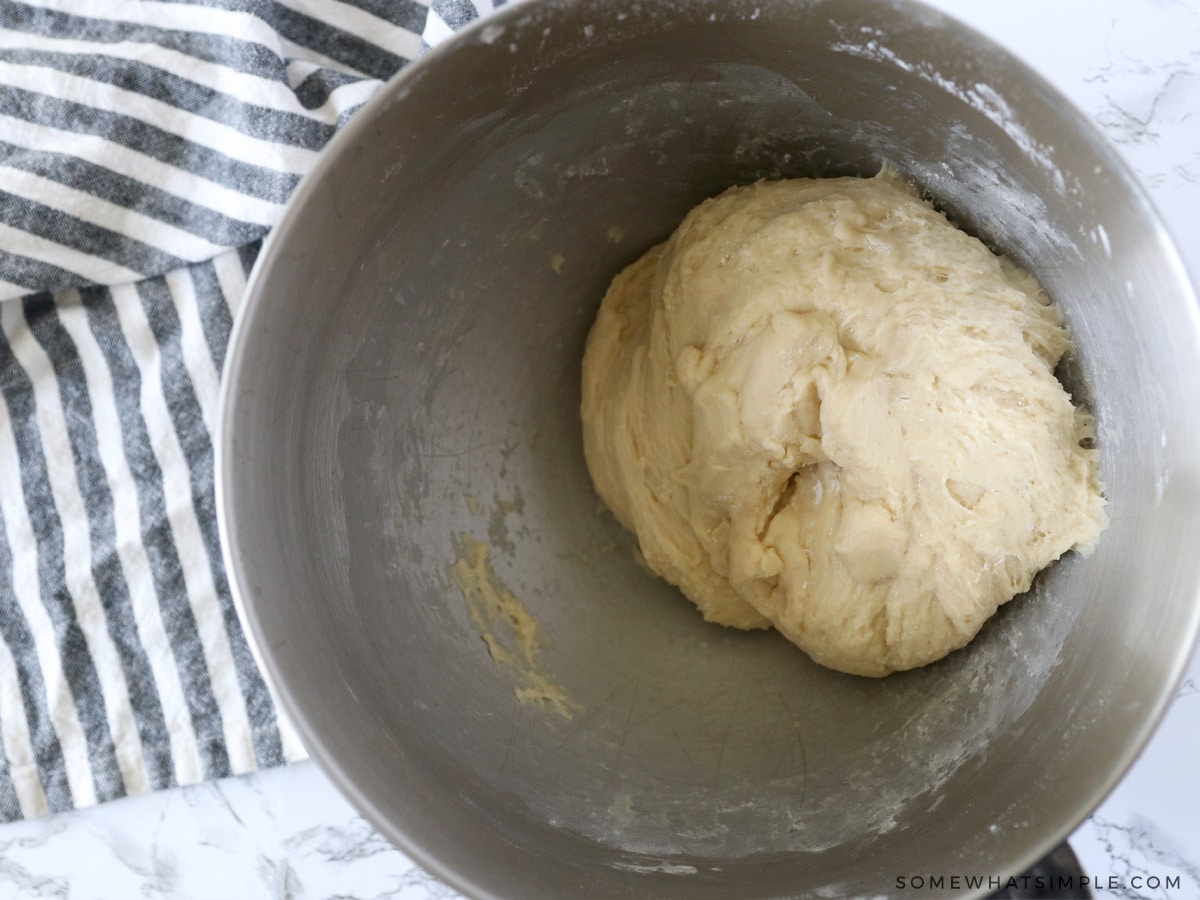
401, 443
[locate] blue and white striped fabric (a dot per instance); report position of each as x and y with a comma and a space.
146, 146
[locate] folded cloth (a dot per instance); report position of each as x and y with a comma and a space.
146, 147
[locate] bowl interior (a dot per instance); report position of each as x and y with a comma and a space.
404, 385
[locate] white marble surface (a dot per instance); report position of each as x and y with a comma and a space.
1134, 66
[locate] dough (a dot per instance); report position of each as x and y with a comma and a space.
821, 407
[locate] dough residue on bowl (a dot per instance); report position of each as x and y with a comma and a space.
511, 634
822, 407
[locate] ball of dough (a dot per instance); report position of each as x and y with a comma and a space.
821, 407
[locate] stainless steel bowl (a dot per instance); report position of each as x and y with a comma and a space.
405, 372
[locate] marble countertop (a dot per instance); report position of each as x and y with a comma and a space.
1134, 67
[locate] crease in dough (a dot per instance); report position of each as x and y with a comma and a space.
823, 408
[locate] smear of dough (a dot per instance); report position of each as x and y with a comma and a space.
511, 634
821, 407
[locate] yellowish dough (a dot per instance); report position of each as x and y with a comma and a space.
823, 408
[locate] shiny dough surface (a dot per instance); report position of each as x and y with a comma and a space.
823, 408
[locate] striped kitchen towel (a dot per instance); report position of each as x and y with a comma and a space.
146, 146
